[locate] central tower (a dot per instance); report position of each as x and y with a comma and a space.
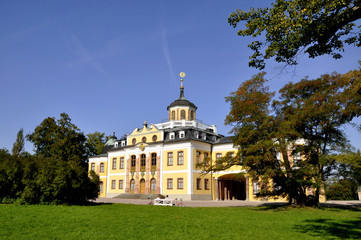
182, 109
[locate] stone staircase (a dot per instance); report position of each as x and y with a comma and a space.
139, 196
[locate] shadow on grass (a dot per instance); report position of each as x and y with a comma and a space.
348, 229
95, 204
324, 206
272, 206
352, 207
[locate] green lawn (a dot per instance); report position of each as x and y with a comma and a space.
121, 221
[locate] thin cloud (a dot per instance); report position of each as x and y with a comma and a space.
84, 55
165, 50
23, 33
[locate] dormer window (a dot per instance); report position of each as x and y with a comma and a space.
196, 134
123, 143
204, 136
181, 134
172, 135
116, 144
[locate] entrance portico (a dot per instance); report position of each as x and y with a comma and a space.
231, 187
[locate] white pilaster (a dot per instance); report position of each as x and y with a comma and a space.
190, 169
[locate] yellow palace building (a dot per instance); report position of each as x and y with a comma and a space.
161, 159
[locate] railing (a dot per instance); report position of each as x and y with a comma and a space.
184, 123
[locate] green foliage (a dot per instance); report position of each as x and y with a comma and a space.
11, 171
95, 143
127, 221
60, 140
292, 26
18, 145
56, 174
348, 166
354, 161
37, 180
313, 111
343, 189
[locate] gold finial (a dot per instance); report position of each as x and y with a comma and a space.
182, 74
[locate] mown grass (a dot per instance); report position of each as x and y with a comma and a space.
121, 221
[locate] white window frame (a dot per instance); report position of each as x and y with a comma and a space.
182, 134
255, 188
204, 136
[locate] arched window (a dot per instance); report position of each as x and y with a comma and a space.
183, 115
173, 115
153, 186
154, 159
142, 160
134, 141
132, 185
192, 116
144, 139
133, 161
142, 186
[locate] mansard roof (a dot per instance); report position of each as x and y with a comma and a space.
190, 133
222, 140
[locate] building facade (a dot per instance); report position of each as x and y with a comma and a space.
162, 159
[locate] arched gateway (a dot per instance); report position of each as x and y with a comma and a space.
231, 187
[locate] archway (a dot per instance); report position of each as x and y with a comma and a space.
142, 186
231, 187
132, 186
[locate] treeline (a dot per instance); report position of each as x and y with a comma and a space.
57, 172
35, 179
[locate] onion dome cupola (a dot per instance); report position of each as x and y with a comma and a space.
182, 109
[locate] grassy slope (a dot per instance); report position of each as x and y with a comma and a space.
120, 221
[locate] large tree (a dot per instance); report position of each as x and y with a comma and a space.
290, 27
304, 123
59, 139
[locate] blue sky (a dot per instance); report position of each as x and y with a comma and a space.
113, 64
